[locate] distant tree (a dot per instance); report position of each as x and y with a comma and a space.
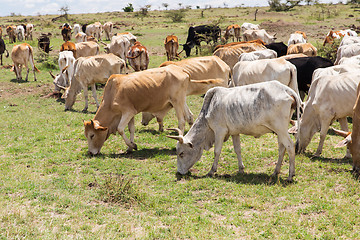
128, 8
64, 11
165, 5
176, 15
278, 6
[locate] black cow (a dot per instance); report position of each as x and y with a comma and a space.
280, 48
83, 28
305, 67
66, 33
201, 33
2, 50
44, 42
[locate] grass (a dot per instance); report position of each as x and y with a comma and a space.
51, 188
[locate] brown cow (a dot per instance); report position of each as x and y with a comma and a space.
329, 39
138, 57
68, 46
171, 47
306, 48
10, 30
258, 41
22, 54
66, 33
233, 31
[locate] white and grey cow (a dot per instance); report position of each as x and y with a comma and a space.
347, 51
259, 54
66, 66
253, 110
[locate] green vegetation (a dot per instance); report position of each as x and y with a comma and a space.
50, 188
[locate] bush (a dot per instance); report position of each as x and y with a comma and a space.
128, 8
176, 15
329, 51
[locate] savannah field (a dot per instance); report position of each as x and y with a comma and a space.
51, 188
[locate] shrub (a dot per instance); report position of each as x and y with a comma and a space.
329, 51
176, 15
128, 8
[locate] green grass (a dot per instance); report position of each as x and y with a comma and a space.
50, 188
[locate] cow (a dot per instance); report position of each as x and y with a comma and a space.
44, 42
291, 56
302, 33
108, 27
126, 95
127, 35
29, 31
171, 44
77, 28
348, 40
66, 65
305, 68
198, 34
11, 32
87, 72
69, 46
347, 51
120, 44
296, 38
205, 73
249, 26
86, 49
329, 39
249, 72
306, 48
0, 32
2, 50
258, 41
253, 110
321, 108
80, 37
259, 54
230, 55
355, 60
22, 54
20, 33
138, 57
233, 31
94, 30
66, 33
279, 47
249, 35
353, 140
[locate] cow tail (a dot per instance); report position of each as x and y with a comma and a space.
31, 58
7, 53
207, 100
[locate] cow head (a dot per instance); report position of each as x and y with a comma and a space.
187, 48
96, 135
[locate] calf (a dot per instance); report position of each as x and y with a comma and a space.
20, 33
29, 31
11, 32
138, 57
253, 110
66, 66
22, 54
233, 31
2, 50
108, 28
171, 44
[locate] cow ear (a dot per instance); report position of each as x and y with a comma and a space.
344, 142
190, 145
293, 130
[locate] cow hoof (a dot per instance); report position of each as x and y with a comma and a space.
84, 110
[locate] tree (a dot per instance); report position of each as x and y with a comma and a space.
278, 6
165, 5
64, 11
128, 8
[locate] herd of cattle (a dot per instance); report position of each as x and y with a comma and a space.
251, 87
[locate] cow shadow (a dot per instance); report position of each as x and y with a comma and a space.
326, 159
151, 131
79, 111
141, 154
14, 80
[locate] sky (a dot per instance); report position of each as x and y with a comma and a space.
36, 7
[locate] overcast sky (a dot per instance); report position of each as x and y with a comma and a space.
34, 7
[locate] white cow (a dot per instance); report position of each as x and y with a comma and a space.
331, 97
66, 66
253, 110
120, 44
108, 27
348, 40
296, 38
20, 33
259, 54
29, 31
250, 35
77, 28
249, 26
94, 30
80, 37
354, 60
263, 70
86, 49
347, 51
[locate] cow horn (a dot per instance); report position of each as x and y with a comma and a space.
62, 87
180, 52
178, 138
341, 133
103, 43
64, 69
176, 130
52, 74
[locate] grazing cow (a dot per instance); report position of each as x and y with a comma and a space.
329, 39
347, 51
20, 33
120, 44
86, 49
80, 37
66, 66
296, 38
306, 48
108, 28
205, 73
69, 46
249, 26
279, 47
253, 110
11, 32
126, 95
331, 97
22, 54
66, 33
77, 28
302, 33
259, 34
127, 35
87, 72
231, 54
353, 139
2, 50
348, 40
44, 42
233, 31
249, 72
355, 60
198, 34
259, 54
305, 68
138, 57
94, 30
29, 31
171, 44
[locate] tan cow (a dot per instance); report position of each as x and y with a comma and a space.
232, 31
86, 49
11, 32
22, 54
138, 57
94, 30
120, 44
80, 37
259, 34
171, 44
29, 31
68, 46
108, 27
87, 72
127, 95
353, 139
306, 48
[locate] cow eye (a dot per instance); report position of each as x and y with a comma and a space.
92, 136
181, 154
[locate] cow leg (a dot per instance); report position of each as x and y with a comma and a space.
344, 126
125, 120
131, 127
93, 89
27, 72
237, 148
324, 128
86, 96
285, 143
1, 59
180, 113
219, 139
188, 115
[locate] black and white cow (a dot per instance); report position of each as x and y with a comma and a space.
2, 50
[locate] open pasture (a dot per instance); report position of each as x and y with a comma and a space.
51, 188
